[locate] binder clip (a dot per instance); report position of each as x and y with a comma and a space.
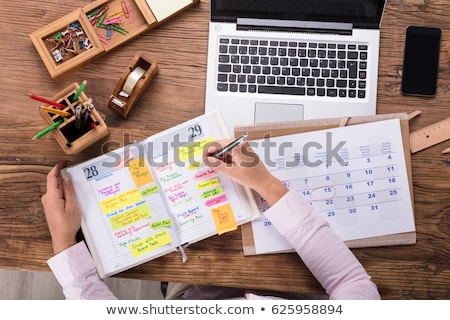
132, 84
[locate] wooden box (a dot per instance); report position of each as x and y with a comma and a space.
82, 35
72, 139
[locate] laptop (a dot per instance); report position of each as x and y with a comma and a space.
278, 60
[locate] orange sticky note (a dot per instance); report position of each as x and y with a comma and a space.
224, 218
140, 172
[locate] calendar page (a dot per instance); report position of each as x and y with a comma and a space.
355, 177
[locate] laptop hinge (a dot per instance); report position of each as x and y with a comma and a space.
294, 26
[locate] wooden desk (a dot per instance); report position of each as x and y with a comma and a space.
421, 271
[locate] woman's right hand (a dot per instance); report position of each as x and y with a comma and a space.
244, 166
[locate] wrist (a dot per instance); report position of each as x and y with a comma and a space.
61, 245
273, 190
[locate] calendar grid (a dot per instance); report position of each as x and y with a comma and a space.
359, 185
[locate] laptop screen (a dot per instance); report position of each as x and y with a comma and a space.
361, 13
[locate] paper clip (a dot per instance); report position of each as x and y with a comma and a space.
94, 19
74, 51
92, 14
130, 13
113, 20
126, 13
109, 31
103, 10
102, 38
116, 14
100, 20
118, 28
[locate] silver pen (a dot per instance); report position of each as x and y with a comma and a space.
221, 153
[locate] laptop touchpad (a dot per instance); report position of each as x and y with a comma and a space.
273, 112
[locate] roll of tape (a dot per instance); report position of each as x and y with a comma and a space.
132, 79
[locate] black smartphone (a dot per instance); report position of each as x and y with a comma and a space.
421, 61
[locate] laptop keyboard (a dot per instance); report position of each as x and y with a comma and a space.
302, 68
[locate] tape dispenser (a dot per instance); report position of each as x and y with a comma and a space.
132, 84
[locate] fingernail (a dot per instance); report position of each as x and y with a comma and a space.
66, 180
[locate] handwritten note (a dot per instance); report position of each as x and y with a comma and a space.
140, 172
224, 218
161, 224
208, 184
193, 150
121, 200
150, 243
129, 216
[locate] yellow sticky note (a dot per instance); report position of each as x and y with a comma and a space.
194, 166
224, 218
130, 216
163, 9
195, 149
208, 184
120, 201
150, 243
140, 172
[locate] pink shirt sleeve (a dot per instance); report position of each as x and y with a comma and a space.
76, 273
323, 252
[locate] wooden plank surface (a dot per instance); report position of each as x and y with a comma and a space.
420, 271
